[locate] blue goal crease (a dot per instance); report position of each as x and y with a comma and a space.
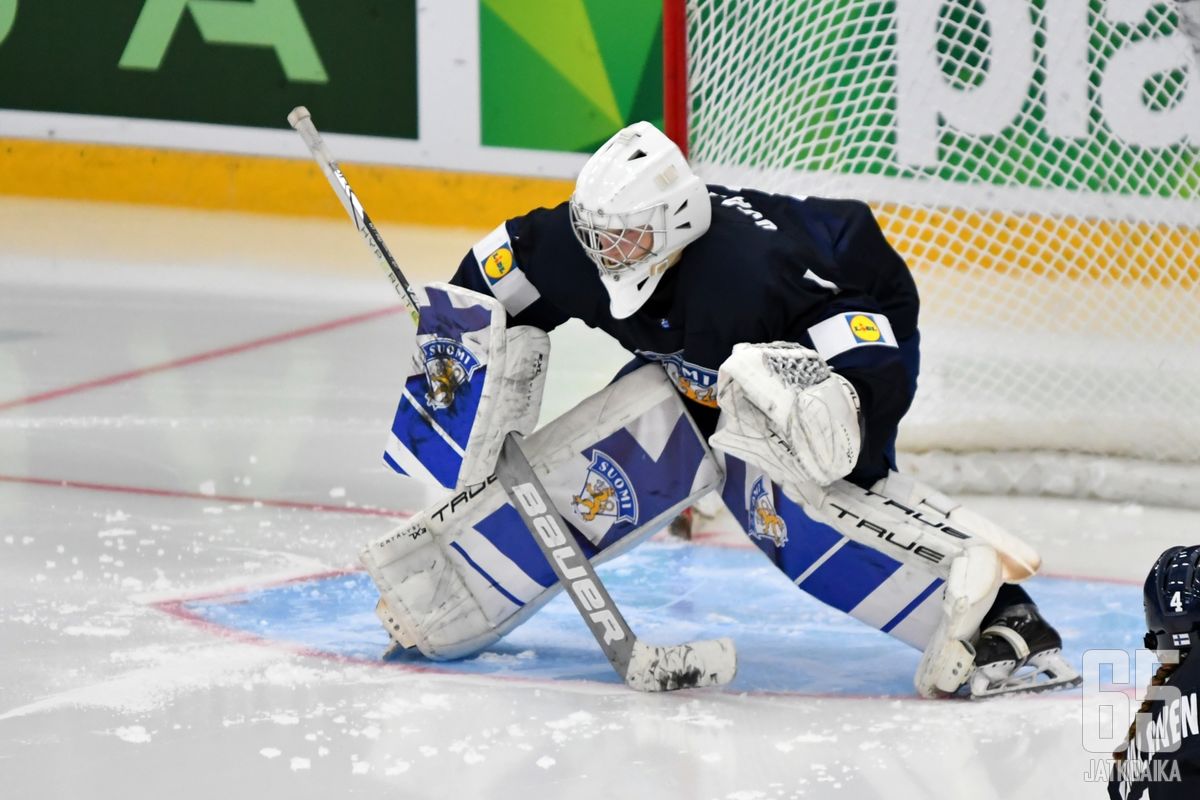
786, 639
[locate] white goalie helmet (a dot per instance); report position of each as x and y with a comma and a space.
636, 204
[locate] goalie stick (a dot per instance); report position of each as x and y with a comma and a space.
644, 667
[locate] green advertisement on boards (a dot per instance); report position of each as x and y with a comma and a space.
234, 62
566, 74
1075, 95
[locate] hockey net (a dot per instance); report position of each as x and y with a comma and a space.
1036, 164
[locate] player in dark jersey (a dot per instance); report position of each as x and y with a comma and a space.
1162, 760
680, 272
769, 268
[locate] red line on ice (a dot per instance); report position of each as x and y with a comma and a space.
178, 609
221, 498
198, 358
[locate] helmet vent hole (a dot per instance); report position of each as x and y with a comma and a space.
682, 207
637, 154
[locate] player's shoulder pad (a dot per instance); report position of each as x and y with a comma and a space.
497, 261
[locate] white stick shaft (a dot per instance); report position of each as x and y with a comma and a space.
302, 122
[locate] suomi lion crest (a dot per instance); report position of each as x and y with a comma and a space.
448, 365
606, 492
765, 522
693, 381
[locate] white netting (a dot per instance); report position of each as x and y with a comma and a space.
1036, 163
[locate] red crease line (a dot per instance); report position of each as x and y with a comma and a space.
179, 610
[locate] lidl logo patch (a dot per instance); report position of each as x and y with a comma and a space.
864, 328
498, 264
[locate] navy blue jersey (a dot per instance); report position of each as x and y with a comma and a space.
770, 268
1173, 774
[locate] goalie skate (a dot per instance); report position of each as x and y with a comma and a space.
1017, 652
681, 526
701, 513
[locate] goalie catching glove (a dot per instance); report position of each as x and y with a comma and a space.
785, 411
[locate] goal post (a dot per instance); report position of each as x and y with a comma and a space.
1037, 164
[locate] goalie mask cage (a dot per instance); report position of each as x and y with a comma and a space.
1037, 164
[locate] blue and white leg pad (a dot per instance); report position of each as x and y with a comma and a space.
465, 571
903, 600
896, 557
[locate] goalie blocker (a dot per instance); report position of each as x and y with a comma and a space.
474, 380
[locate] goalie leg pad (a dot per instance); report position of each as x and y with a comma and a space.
465, 571
922, 502
900, 568
974, 579
970, 564
861, 578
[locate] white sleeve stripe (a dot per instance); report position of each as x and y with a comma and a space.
514, 290
490, 243
850, 329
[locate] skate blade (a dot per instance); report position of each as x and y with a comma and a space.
1050, 672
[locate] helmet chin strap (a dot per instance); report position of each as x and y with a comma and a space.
661, 267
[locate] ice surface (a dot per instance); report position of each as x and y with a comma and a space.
181, 614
